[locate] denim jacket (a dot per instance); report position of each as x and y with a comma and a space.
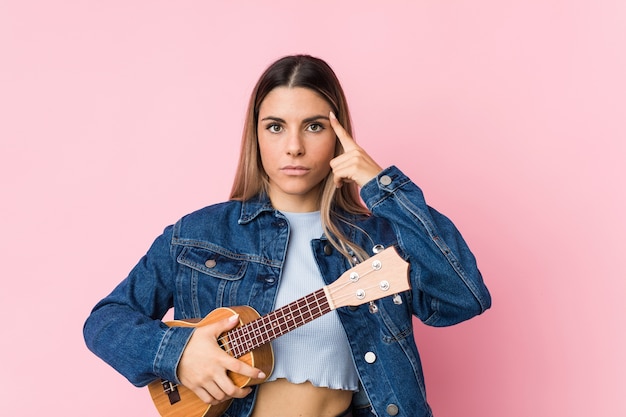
245, 244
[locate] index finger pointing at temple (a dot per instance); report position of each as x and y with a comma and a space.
344, 138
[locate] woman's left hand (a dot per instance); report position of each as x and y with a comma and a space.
354, 164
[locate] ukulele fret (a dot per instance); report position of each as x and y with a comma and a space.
277, 323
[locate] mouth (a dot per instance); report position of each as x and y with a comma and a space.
294, 170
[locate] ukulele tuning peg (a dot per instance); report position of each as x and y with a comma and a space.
373, 307
397, 300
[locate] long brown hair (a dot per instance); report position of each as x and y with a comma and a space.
250, 178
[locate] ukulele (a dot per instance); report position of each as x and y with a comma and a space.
384, 274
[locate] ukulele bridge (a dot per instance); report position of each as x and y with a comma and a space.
171, 390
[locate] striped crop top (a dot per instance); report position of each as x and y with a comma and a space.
318, 351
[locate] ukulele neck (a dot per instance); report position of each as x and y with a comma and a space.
277, 323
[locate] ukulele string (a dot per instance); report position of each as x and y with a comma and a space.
226, 339
248, 336
233, 338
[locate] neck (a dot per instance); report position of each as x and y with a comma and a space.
296, 203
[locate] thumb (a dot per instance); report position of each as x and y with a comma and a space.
231, 322
226, 324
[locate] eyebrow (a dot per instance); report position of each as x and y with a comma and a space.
307, 120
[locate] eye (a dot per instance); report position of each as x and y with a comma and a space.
315, 127
274, 128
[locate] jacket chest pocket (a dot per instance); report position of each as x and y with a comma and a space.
213, 263
212, 282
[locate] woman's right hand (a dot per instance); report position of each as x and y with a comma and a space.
203, 365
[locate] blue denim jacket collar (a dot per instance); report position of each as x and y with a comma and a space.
253, 207
250, 209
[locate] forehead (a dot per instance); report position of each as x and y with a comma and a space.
294, 102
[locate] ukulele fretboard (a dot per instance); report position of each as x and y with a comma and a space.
277, 323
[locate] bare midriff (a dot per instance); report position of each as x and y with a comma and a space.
282, 398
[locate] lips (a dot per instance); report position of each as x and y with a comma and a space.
294, 170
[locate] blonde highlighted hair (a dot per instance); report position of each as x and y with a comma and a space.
251, 179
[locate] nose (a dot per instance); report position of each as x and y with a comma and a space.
295, 144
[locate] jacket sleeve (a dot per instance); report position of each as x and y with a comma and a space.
125, 328
447, 286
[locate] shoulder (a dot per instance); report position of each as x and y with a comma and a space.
210, 218
214, 210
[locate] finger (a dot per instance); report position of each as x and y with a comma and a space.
216, 391
242, 368
225, 388
219, 388
228, 323
355, 166
206, 394
344, 138
219, 328
338, 174
202, 394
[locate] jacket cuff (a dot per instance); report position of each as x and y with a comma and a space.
171, 349
384, 184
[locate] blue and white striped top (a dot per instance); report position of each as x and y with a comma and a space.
317, 352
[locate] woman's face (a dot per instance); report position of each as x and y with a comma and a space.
297, 144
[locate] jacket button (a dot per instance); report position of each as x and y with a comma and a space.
328, 249
392, 410
370, 357
210, 263
385, 180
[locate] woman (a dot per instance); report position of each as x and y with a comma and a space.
294, 223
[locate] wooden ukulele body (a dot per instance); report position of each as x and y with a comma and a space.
178, 401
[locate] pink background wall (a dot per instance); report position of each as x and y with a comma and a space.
117, 117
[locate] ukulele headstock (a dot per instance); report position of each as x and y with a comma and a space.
382, 275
